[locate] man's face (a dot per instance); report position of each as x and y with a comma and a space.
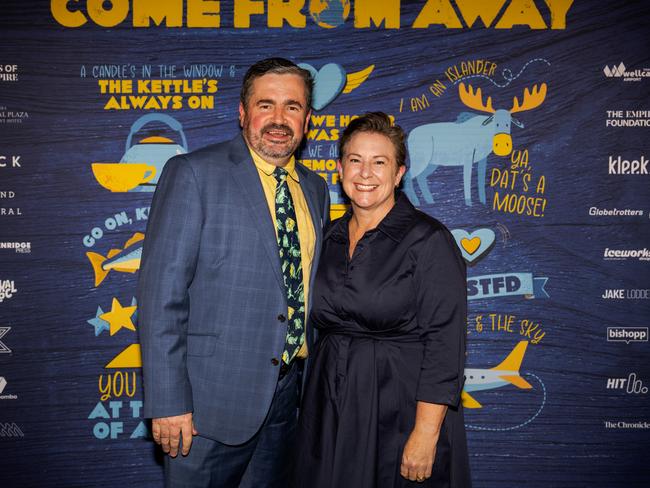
276, 116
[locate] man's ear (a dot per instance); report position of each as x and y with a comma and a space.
242, 114
307, 119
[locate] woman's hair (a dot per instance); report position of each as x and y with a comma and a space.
377, 123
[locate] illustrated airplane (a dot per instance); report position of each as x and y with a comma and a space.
506, 373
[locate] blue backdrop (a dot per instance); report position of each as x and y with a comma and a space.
555, 231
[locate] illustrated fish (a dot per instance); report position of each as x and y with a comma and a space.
126, 260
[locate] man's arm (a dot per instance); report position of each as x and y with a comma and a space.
167, 268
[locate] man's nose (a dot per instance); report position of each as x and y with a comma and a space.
278, 115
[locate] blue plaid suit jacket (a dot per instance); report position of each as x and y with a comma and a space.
210, 291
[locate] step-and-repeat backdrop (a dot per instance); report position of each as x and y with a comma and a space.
96, 95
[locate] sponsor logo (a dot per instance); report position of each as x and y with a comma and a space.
10, 429
7, 289
620, 424
624, 254
3, 348
3, 384
627, 118
627, 334
620, 72
12, 116
8, 72
623, 294
8, 195
615, 212
10, 162
620, 166
20, 247
630, 385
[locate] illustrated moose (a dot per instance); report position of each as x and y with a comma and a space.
468, 140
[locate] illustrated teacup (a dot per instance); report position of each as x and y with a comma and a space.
120, 177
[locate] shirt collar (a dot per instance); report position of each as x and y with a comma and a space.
268, 168
394, 224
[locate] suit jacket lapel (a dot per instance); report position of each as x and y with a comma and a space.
246, 175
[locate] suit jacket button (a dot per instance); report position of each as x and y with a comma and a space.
275, 362
281, 318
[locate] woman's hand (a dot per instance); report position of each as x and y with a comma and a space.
419, 453
420, 449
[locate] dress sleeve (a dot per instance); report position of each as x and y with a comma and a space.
441, 290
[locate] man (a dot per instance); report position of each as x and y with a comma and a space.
233, 239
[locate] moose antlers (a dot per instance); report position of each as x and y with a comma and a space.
531, 99
474, 100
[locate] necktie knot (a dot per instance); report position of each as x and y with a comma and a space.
280, 174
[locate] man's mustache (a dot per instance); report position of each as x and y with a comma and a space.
281, 127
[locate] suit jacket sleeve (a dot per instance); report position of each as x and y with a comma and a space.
167, 269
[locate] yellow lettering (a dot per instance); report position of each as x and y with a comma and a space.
437, 12
559, 9
318, 120
108, 18
64, 16
471, 10
289, 10
419, 103
170, 11
203, 13
521, 12
112, 104
437, 88
243, 11
386, 12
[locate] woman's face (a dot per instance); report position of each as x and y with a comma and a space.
369, 171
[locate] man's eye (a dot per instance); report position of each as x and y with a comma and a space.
380, 161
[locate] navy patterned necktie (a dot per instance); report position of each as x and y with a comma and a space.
291, 261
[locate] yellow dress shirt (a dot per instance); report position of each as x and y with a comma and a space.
305, 225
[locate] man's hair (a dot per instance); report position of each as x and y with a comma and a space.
377, 123
278, 66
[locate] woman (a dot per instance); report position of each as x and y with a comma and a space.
382, 404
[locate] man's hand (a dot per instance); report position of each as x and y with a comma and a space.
168, 431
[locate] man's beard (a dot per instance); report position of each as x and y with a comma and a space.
272, 151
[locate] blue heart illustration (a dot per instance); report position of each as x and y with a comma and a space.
328, 83
473, 245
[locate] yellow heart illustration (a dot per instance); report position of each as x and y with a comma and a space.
470, 245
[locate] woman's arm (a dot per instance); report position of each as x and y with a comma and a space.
420, 449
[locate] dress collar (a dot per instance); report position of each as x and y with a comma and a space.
394, 225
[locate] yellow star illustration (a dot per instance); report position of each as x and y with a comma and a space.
119, 317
